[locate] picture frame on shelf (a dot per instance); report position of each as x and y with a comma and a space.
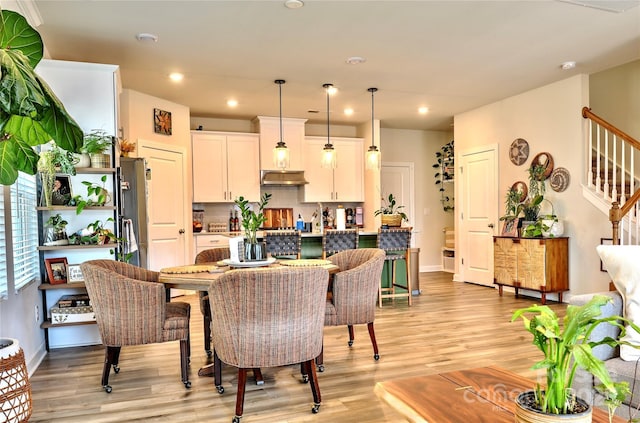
61, 194
510, 227
162, 122
74, 273
56, 270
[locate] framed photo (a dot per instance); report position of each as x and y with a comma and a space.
61, 194
56, 270
605, 241
74, 273
161, 122
510, 227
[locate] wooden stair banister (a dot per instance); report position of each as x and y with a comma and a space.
588, 114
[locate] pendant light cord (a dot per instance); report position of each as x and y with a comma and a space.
280, 82
327, 86
372, 91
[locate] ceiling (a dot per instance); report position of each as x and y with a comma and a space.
450, 56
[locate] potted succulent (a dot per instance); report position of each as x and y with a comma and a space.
392, 215
565, 347
251, 222
96, 143
31, 113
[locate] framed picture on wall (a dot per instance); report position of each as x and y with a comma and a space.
161, 122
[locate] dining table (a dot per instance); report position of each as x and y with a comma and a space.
198, 277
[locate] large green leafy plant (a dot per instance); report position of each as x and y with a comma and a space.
30, 113
565, 348
252, 220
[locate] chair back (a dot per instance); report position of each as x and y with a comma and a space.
127, 270
213, 255
128, 311
394, 240
335, 240
268, 317
283, 243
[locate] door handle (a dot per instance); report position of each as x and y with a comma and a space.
490, 225
181, 231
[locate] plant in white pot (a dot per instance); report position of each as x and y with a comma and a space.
392, 214
96, 143
565, 348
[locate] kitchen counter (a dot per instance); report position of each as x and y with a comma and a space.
363, 232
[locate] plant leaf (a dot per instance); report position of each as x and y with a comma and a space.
17, 34
59, 124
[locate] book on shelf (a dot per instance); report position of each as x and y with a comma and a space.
74, 300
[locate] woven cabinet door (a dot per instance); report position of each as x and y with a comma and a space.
531, 264
505, 269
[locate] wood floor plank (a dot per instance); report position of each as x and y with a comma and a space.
450, 326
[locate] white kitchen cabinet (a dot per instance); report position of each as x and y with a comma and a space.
208, 241
225, 166
345, 182
292, 134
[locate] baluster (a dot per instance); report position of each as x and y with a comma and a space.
598, 177
606, 188
590, 166
623, 172
614, 191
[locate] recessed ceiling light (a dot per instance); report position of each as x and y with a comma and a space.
145, 36
355, 60
176, 76
568, 65
293, 4
423, 110
232, 103
348, 111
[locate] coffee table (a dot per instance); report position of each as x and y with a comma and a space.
480, 395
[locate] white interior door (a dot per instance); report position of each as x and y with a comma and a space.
166, 201
397, 179
479, 195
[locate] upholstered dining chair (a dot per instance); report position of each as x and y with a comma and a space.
269, 317
131, 309
336, 240
212, 255
354, 291
396, 242
283, 244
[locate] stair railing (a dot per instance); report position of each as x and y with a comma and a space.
610, 151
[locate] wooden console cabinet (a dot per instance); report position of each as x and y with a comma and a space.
537, 264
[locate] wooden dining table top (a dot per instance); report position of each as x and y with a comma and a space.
190, 277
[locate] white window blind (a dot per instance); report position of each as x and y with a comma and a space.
24, 230
3, 252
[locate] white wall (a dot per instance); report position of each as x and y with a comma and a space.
549, 118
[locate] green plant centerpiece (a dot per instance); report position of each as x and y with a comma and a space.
444, 166
30, 112
566, 348
392, 214
251, 221
96, 143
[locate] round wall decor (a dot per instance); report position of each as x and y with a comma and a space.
545, 160
559, 180
519, 151
521, 187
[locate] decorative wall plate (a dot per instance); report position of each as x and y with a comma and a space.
522, 188
545, 160
559, 180
519, 151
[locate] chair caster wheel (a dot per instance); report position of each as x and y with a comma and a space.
220, 389
236, 419
315, 409
305, 378
321, 368
376, 357
351, 343
187, 384
116, 369
108, 389
209, 353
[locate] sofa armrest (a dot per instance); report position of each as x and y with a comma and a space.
603, 352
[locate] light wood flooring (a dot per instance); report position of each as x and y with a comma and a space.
451, 325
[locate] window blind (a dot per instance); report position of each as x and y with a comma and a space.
4, 249
24, 222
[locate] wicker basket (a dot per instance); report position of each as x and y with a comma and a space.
15, 389
391, 219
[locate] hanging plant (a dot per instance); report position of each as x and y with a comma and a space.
445, 173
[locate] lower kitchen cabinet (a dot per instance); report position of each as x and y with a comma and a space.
536, 264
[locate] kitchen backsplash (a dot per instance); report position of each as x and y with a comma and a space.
282, 197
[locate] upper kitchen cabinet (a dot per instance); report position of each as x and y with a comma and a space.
292, 134
226, 165
345, 183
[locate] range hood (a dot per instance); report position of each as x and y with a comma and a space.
282, 177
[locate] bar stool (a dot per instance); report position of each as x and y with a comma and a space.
283, 244
396, 242
335, 240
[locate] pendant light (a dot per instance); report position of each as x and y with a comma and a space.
280, 152
373, 155
328, 152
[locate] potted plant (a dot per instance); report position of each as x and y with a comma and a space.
391, 213
251, 222
55, 232
96, 143
31, 113
565, 348
99, 234
97, 195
